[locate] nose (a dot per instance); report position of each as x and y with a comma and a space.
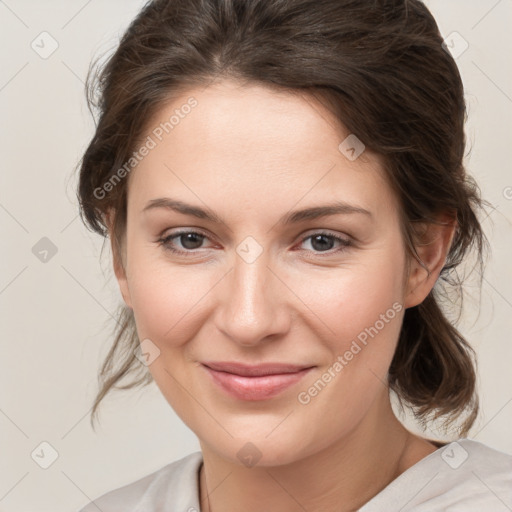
252, 308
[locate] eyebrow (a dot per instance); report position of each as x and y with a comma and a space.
335, 208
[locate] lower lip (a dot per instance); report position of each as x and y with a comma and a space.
255, 388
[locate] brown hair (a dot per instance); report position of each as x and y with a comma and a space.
381, 68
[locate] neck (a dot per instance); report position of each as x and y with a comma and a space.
340, 478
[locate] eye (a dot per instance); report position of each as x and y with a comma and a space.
324, 241
189, 240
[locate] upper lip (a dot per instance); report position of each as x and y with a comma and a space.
248, 370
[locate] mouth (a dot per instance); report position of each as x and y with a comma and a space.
254, 382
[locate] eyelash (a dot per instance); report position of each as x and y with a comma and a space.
165, 242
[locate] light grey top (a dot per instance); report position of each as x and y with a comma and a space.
463, 476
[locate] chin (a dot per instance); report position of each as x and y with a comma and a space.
258, 450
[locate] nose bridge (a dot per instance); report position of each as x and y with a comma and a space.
253, 307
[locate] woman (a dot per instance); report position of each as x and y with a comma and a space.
283, 187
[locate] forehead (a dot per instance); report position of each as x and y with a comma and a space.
249, 141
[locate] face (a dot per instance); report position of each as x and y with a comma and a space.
253, 283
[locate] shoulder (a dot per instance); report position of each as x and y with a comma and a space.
466, 459
471, 476
172, 485
478, 454
462, 476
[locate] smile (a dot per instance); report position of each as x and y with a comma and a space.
255, 383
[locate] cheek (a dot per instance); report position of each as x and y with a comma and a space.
166, 299
167, 303
352, 299
363, 310
361, 305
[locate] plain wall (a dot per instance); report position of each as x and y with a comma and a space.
56, 315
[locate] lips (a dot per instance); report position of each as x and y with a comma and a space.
254, 382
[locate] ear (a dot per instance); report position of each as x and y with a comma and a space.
119, 268
432, 248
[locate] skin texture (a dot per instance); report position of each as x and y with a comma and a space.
251, 155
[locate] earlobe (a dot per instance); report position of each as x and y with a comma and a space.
432, 250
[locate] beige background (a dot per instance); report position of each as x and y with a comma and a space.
56, 316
